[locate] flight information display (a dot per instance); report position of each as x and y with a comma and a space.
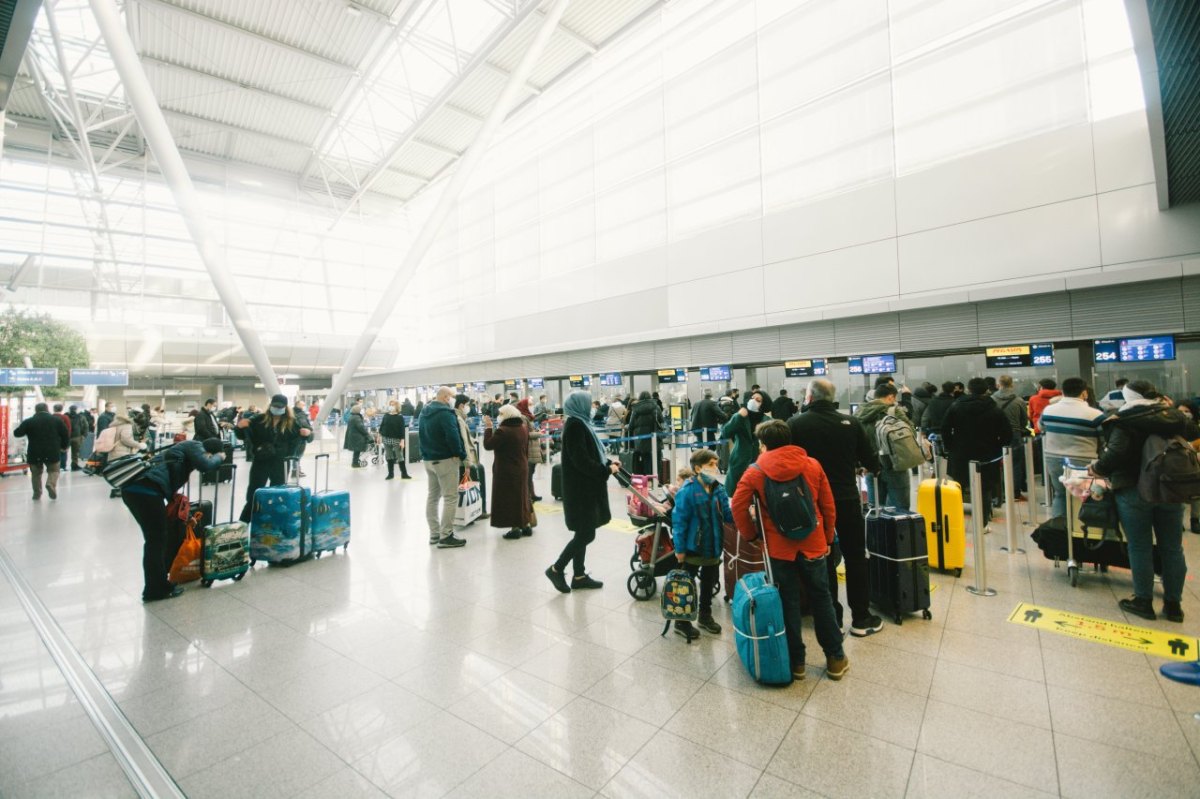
480, 387
536, 382
18, 376
873, 364
1151, 348
580, 381
1020, 355
610, 379
715, 374
813, 367
672, 375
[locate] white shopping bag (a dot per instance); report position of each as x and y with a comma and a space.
470, 504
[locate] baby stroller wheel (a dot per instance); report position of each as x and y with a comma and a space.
641, 585
634, 561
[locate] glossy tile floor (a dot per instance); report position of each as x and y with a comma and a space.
402, 670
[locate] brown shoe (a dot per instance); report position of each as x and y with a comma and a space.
836, 668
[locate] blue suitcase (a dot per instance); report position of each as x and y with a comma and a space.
280, 531
330, 515
758, 627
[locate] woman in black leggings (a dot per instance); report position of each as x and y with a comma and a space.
585, 473
272, 438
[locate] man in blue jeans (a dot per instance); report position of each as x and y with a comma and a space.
896, 484
795, 563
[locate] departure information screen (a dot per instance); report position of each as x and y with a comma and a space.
1020, 355
715, 374
672, 375
99, 377
813, 367
873, 365
580, 381
537, 382
1151, 348
610, 378
481, 387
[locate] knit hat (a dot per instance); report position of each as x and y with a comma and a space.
509, 412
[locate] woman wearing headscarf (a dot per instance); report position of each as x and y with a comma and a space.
585, 473
510, 476
272, 438
740, 430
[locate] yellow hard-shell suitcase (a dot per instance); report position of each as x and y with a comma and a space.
940, 501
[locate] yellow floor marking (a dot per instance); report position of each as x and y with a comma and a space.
1111, 633
622, 526
547, 508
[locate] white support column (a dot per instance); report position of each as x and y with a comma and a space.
454, 186
162, 145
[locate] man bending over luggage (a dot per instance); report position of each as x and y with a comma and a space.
797, 556
701, 506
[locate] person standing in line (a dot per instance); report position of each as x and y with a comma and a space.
358, 438
975, 429
300, 414
124, 442
1113, 400
511, 502
707, 418
896, 484
66, 420
1142, 414
585, 473
461, 405
394, 433
105, 419
206, 425
1047, 391
740, 429
1071, 432
644, 420
842, 446
272, 438
784, 407
697, 520
1017, 413
443, 454
48, 440
534, 456
147, 499
78, 425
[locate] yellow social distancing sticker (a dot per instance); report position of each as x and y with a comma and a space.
1112, 633
622, 526
546, 508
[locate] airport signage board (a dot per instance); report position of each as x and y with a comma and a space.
580, 381
480, 387
99, 377
672, 375
19, 376
610, 379
1015, 355
812, 367
715, 374
1134, 350
873, 364
536, 382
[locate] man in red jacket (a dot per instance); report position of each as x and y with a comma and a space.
794, 562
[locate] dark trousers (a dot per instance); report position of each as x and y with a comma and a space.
812, 577
642, 463
263, 472
575, 551
532, 469
357, 455
852, 539
707, 583
150, 513
1020, 485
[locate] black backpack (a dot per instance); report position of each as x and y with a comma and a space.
791, 506
1170, 470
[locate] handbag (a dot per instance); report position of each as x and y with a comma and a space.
1099, 513
122, 471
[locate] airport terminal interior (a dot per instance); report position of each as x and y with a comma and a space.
420, 303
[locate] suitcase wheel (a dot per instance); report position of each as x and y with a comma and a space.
206, 583
1073, 575
925, 614
238, 576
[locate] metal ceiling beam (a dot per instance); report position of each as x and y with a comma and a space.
291, 48
578, 38
458, 109
236, 128
166, 153
246, 87
464, 168
479, 58
501, 71
440, 148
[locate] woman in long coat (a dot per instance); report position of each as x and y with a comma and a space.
511, 503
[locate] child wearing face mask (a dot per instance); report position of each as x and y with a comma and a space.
701, 506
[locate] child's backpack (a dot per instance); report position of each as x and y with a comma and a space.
1170, 470
679, 599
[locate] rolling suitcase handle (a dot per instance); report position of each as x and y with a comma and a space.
217, 492
316, 471
762, 536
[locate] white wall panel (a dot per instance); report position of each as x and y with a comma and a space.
818, 47
629, 141
716, 186
917, 23
713, 298
1133, 229
713, 100
632, 217
842, 220
568, 240
726, 249
841, 276
1035, 171
1122, 152
566, 171
695, 29
623, 275
1039, 241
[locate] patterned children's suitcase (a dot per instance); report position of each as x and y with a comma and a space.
330, 515
226, 553
280, 525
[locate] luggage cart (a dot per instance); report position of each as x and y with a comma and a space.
1076, 532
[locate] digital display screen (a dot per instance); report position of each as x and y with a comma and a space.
580, 381
1020, 355
672, 375
480, 387
510, 383
873, 365
99, 377
814, 367
610, 378
536, 382
16, 376
1106, 350
1150, 348
715, 374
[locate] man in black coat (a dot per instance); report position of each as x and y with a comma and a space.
48, 440
841, 445
935, 410
707, 418
105, 419
207, 425
975, 429
783, 408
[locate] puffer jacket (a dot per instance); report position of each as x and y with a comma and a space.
1038, 403
1127, 430
126, 442
782, 465
697, 518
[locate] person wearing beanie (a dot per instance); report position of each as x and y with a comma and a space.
393, 431
271, 438
358, 438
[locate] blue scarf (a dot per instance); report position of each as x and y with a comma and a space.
578, 405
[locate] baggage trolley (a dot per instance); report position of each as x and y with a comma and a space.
1076, 530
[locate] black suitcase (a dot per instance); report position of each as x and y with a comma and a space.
556, 481
479, 475
413, 447
898, 563
224, 473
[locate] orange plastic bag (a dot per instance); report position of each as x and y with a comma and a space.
186, 566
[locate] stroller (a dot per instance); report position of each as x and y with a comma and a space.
653, 552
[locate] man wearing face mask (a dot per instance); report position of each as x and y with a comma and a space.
271, 437
701, 507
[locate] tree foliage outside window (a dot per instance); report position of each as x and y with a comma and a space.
48, 344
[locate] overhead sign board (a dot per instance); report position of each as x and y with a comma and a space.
812, 367
1019, 355
672, 375
19, 376
99, 377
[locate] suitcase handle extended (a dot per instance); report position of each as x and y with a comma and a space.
316, 470
217, 490
762, 535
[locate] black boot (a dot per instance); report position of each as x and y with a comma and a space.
391, 470
1138, 606
1195, 525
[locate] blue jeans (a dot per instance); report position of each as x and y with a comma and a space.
1143, 522
896, 489
813, 575
1058, 492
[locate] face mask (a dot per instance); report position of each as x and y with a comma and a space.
752, 406
710, 475
277, 411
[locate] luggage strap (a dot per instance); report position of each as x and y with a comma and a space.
758, 637
895, 560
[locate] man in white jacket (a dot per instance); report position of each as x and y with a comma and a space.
1072, 432
1113, 400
